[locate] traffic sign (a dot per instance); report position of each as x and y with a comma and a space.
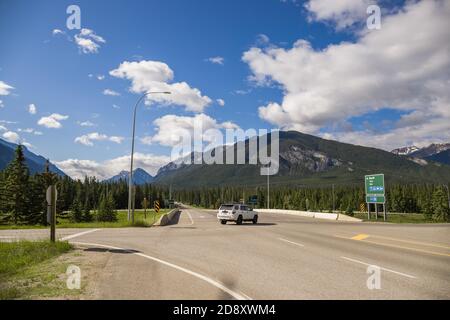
362, 207
375, 199
156, 206
375, 191
253, 199
48, 195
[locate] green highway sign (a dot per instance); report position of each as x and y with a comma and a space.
375, 199
374, 186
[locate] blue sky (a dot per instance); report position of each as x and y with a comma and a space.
44, 65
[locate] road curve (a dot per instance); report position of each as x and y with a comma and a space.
282, 257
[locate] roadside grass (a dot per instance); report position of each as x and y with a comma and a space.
140, 220
396, 218
24, 268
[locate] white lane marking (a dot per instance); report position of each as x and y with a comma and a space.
385, 269
78, 234
291, 242
216, 284
190, 217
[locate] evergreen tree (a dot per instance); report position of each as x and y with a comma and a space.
87, 215
440, 205
106, 210
76, 212
16, 189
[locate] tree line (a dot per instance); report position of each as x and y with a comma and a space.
23, 195
428, 199
23, 200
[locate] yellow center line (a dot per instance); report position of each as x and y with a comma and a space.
361, 236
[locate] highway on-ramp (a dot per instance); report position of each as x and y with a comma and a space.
281, 257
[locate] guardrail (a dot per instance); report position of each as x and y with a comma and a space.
167, 218
309, 214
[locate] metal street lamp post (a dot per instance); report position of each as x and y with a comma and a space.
130, 178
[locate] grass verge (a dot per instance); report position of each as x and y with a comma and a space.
140, 220
24, 268
397, 218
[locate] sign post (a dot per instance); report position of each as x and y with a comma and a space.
51, 196
375, 193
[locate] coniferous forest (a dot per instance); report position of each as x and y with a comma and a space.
23, 200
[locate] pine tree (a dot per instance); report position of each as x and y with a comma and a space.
106, 210
16, 189
87, 215
440, 205
76, 212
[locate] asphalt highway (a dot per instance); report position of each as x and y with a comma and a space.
282, 257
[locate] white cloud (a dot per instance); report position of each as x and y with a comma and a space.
52, 121
262, 39
151, 76
342, 13
86, 124
11, 136
5, 88
88, 41
171, 128
216, 60
403, 66
3, 128
78, 169
220, 102
100, 77
242, 92
115, 106
88, 139
1, 104
32, 108
109, 92
57, 32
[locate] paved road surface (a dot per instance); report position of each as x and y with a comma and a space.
282, 257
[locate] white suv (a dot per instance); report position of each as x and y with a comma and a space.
237, 213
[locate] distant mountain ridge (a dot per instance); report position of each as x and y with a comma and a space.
140, 176
434, 152
404, 151
309, 160
35, 163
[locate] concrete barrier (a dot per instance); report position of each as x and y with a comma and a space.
309, 214
167, 218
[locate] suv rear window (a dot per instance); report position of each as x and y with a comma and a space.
226, 207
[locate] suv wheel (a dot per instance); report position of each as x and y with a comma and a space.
255, 219
223, 221
239, 220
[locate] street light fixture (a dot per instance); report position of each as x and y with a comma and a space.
130, 178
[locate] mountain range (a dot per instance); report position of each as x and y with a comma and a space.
35, 163
434, 152
310, 160
140, 176
304, 160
